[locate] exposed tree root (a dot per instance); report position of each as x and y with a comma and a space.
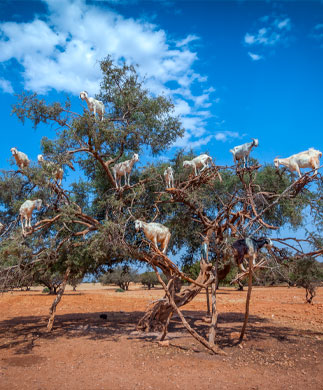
215, 349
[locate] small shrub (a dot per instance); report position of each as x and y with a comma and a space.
119, 290
46, 290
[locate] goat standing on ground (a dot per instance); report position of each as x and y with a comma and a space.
248, 248
198, 162
169, 177
124, 168
155, 232
26, 211
57, 172
21, 158
242, 152
308, 159
95, 106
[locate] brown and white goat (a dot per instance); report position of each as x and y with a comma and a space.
26, 211
307, 159
21, 158
94, 105
200, 161
124, 168
155, 232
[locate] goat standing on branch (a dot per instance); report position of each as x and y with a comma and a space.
95, 106
248, 248
57, 172
308, 159
124, 168
169, 177
21, 158
198, 162
242, 152
26, 210
155, 232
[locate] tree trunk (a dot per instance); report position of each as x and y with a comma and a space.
243, 330
170, 297
208, 311
214, 318
57, 300
158, 313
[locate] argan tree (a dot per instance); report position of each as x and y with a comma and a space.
88, 226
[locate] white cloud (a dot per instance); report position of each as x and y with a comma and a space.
274, 32
249, 39
6, 86
61, 50
254, 56
190, 38
187, 142
283, 24
225, 135
317, 33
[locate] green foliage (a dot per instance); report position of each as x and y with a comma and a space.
120, 290
120, 276
306, 271
89, 226
150, 279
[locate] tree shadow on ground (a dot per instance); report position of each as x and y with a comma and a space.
20, 333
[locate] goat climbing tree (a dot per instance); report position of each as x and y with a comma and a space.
87, 226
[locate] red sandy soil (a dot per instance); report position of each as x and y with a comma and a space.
283, 348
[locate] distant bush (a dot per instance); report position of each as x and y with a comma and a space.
307, 273
120, 276
119, 290
150, 280
46, 290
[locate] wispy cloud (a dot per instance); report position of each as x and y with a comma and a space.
317, 33
270, 31
6, 86
225, 135
184, 42
254, 56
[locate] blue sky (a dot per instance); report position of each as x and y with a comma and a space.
234, 69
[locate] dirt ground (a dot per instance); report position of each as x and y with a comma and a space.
283, 349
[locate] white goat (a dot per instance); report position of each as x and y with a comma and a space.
198, 162
95, 106
124, 168
57, 172
242, 151
26, 210
307, 159
169, 177
155, 232
21, 158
